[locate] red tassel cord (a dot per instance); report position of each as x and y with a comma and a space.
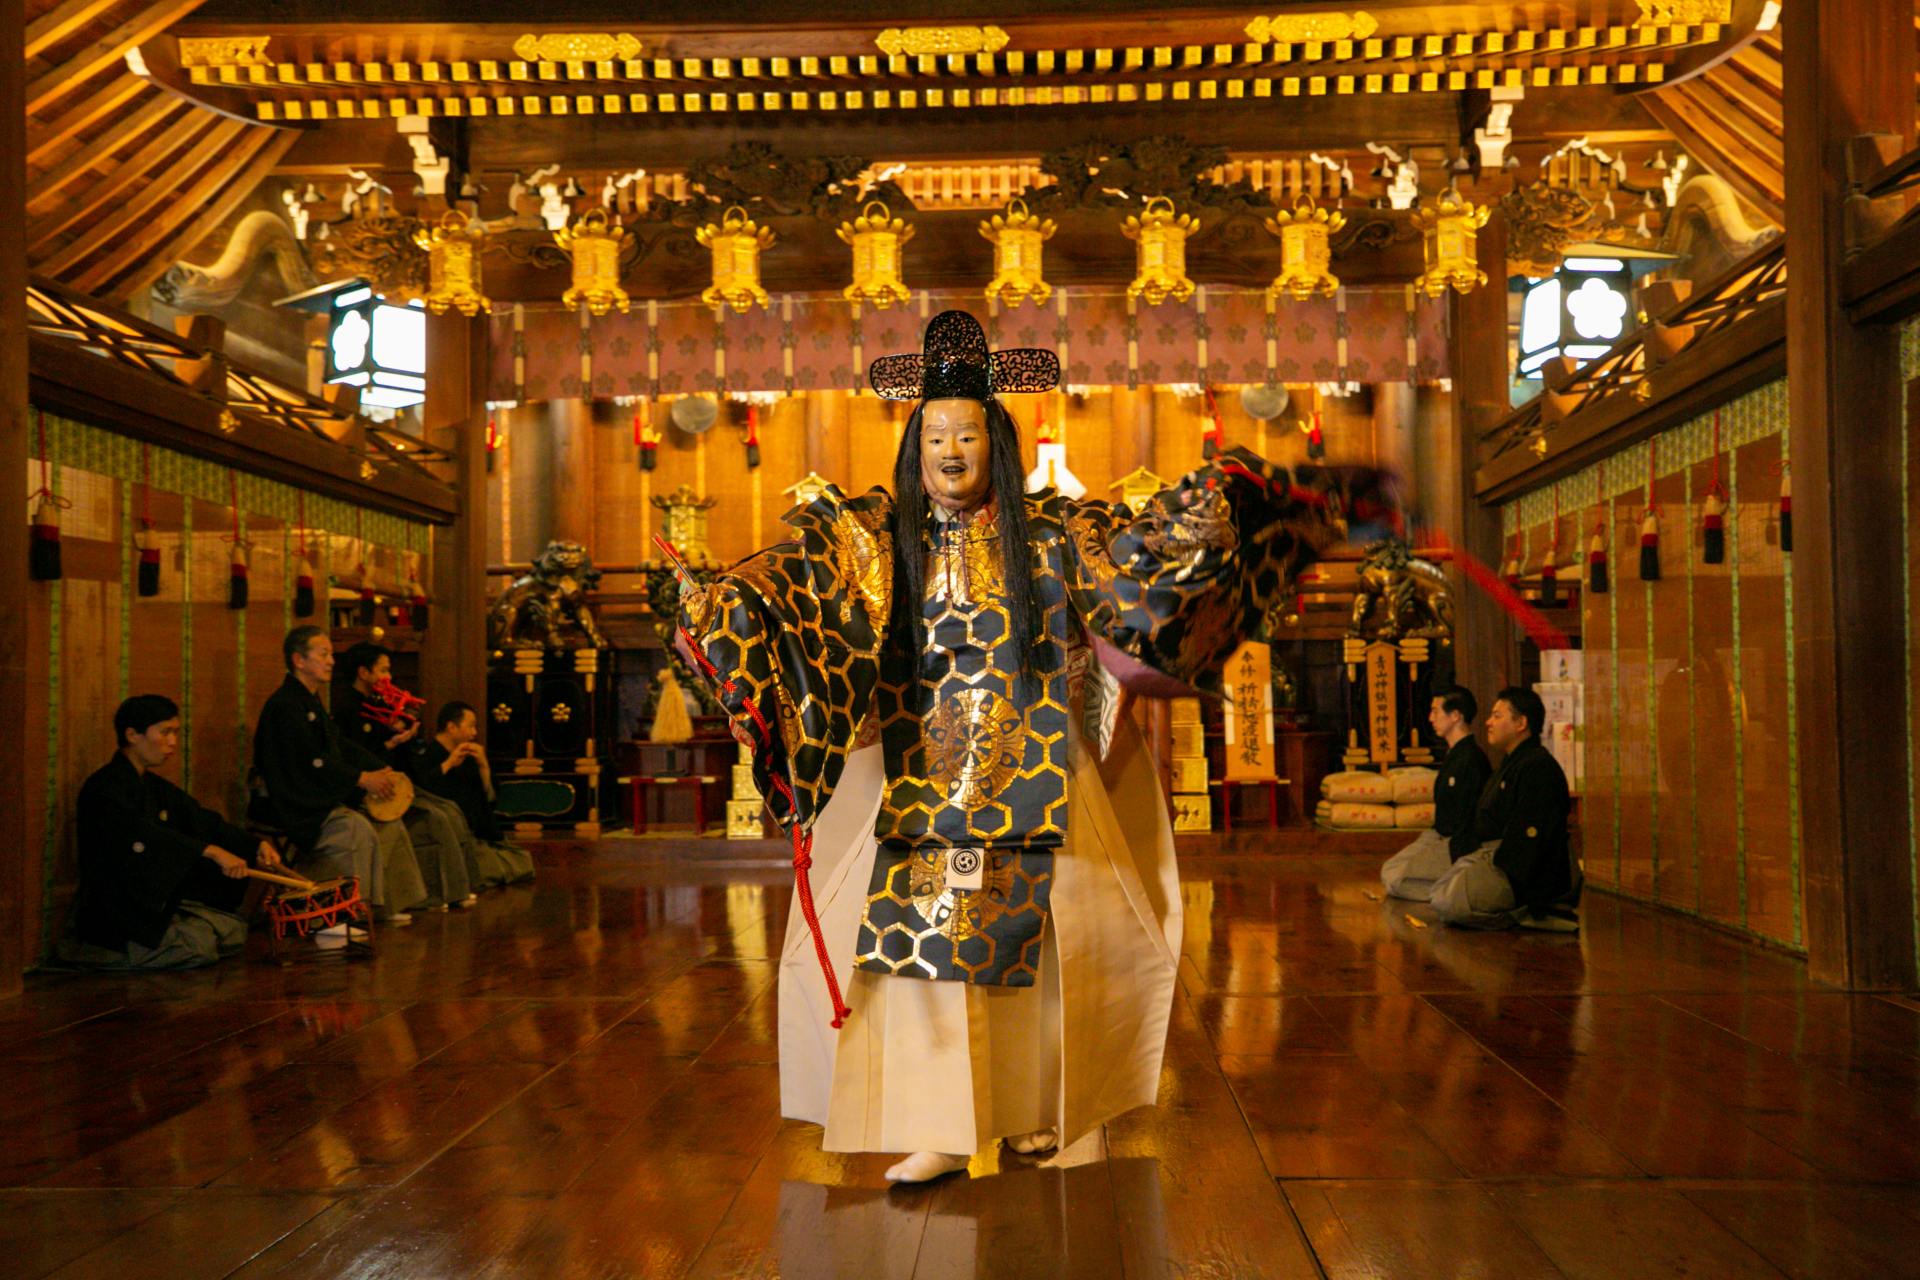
1550, 571
1210, 430
802, 839
1786, 507
1650, 528
753, 437
147, 577
43, 552
645, 438
1597, 577
1713, 521
303, 575
1316, 439
237, 587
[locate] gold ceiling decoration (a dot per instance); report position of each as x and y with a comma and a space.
225, 51
380, 249
1664, 13
1306, 250
577, 47
594, 242
453, 264
1310, 28
876, 241
736, 241
1161, 234
909, 42
1018, 238
1452, 226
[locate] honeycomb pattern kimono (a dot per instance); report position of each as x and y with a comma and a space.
992, 859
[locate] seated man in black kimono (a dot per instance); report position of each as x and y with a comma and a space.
312, 782
453, 764
445, 849
1412, 872
1523, 872
161, 878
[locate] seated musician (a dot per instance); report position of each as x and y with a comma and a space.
1523, 872
313, 781
161, 877
383, 720
1411, 873
454, 764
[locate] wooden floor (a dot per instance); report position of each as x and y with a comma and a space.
578, 1080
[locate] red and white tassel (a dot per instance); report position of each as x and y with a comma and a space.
1317, 441
1650, 547
237, 585
1786, 509
43, 554
1597, 576
753, 436
147, 576
1713, 528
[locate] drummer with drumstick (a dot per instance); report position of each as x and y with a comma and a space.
384, 720
312, 780
162, 877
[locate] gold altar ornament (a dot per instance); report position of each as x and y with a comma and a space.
1017, 237
453, 264
1451, 224
928, 42
686, 523
1312, 28
1161, 235
876, 239
1306, 250
594, 241
736, 241
598, 46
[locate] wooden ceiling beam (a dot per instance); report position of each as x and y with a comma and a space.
1760, 187
97, 151
52, 83
150, 266
159, 188
43, 140
55, 25
95, 199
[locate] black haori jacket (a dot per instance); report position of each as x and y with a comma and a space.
142, 847
1525, 808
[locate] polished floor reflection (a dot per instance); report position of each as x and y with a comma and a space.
578, 1080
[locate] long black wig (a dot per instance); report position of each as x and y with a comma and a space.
911, 514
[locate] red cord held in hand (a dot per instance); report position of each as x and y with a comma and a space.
802, 839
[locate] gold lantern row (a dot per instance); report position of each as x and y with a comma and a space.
1017, 239
1161, 235
876, 241
453, 264
594, 241
1451, 225
1306, 251
736, 241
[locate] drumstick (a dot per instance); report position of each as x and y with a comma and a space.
291, 881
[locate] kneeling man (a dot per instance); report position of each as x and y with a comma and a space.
161, 877
1522, 873
1411, 873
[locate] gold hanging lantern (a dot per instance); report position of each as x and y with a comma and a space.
594, 241
453, 264
876, 241
1306, 250
1017, 239
1162, 256
1451, 225
736, 241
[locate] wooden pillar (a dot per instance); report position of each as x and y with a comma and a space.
17, 861
1395, 419
1482, 633
454, 664
1849, 72
570, 430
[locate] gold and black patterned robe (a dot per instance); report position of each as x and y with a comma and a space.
976, 765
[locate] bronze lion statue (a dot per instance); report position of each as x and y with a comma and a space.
547, 609
1401, 596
